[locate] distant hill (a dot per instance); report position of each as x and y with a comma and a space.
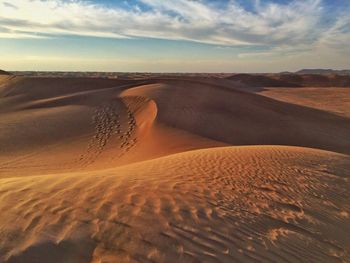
344, 72
3, 72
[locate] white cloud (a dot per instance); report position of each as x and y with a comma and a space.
293, 25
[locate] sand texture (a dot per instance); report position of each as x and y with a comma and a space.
172, 170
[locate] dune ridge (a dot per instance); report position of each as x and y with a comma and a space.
170, 170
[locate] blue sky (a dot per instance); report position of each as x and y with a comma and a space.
174, 36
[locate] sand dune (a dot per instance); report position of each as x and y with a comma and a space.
336, 101
224, 204
171, 170
3, 72
344, 72
261, 81
292, 80
241, 118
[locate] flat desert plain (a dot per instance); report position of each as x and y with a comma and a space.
173, 169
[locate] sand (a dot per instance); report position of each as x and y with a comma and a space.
172, 170
292, 80
334, 100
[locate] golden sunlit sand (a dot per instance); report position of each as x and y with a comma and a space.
172, 170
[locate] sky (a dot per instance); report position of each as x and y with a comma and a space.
174, 35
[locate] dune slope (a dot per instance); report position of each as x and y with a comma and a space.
265, 203
3, 72
335, 100
241, 118
292, 80
87, 127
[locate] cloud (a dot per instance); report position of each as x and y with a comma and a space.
337, 36
297, 24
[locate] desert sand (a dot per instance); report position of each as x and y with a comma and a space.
173, 169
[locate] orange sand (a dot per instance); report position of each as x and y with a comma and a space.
171, 170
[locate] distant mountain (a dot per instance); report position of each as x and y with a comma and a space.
344, 72
3, 72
